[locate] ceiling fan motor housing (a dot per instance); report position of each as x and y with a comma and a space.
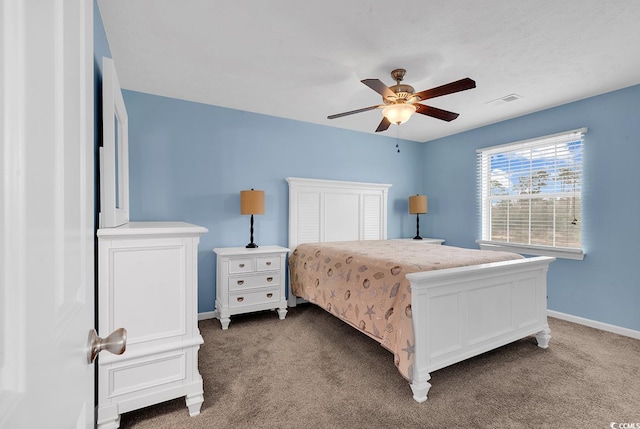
402, 92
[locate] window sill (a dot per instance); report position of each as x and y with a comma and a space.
558, 252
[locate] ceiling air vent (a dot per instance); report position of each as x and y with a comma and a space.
506, 99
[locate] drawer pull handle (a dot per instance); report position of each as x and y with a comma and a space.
269, 279
241, 265
268, 263
240, 282
269, 295
240, 298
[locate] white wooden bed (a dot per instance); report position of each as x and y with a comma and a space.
457, 313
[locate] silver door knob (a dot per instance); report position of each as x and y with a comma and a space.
115, 343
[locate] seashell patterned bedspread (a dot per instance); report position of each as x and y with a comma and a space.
364, 284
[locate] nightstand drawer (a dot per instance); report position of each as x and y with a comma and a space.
254, 280
262, 296
244, 265
268, 263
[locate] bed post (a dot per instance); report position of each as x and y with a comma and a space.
421, 322
421, 388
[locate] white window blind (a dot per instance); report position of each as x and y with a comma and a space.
531, 194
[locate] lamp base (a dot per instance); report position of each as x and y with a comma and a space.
417, 237
251, 245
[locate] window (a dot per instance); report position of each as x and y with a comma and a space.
531, 195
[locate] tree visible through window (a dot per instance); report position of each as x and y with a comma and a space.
531, 191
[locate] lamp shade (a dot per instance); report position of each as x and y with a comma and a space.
398, 113
418, 204
251, 202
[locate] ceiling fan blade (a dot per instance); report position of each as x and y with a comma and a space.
450, 88
364, 109
434, 112
384, 124
379, 87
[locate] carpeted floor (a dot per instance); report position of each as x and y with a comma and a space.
313, 371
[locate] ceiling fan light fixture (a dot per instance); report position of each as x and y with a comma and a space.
398, 113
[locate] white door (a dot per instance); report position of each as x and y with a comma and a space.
46, 213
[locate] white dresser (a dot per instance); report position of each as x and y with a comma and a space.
250, 280
148, 284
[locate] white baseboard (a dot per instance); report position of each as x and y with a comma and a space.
208, 315
595, 324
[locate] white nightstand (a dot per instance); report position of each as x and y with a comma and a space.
424, 240
250, 280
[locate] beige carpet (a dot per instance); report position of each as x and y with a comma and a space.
313, 371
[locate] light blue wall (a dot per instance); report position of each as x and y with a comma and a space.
605, 286
189, 162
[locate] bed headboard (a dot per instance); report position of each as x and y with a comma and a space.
332, 210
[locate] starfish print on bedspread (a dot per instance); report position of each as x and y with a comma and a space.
370, 311
409, 349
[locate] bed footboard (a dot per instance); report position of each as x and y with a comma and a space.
463, 312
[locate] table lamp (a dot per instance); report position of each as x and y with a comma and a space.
251, 202
418, 206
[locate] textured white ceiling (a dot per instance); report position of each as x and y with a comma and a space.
304, 60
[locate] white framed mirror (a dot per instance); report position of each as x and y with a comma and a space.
114, 153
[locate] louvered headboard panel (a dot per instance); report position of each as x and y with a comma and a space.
331, 210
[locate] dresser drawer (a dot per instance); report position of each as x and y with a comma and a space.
250, 281
139, 375
242, 265
262, 296
267, 263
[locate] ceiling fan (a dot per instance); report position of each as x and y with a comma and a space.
401, 101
